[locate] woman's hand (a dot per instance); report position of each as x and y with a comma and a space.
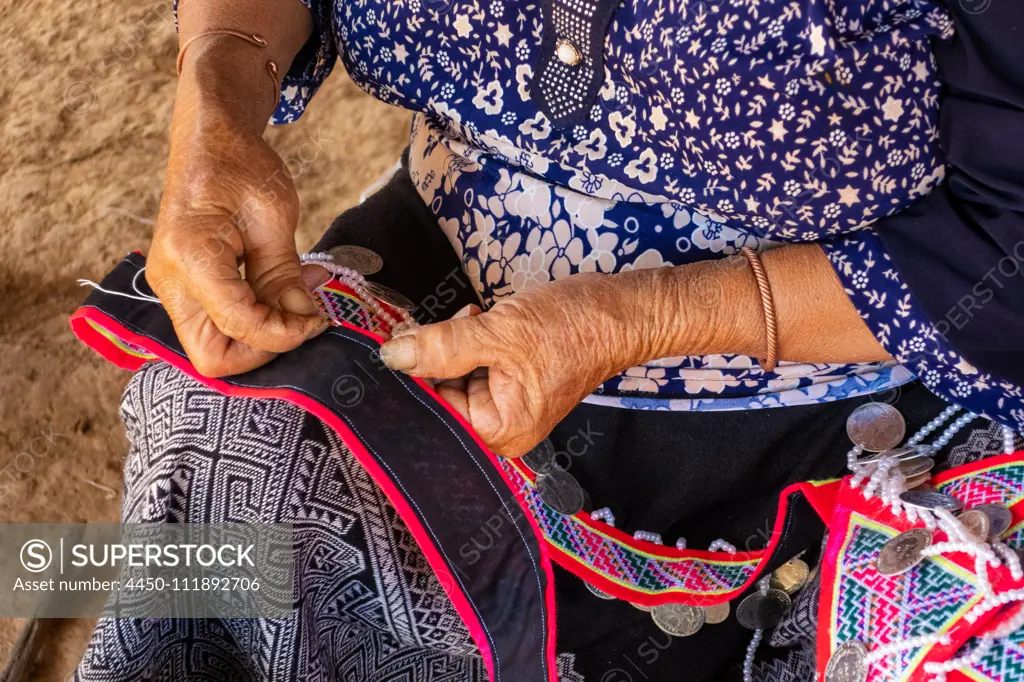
518, 369
530, 359
229, 200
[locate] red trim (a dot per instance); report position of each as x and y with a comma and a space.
600, 581
81, 327
852, 501
821, 496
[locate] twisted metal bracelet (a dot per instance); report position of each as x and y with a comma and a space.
768, 306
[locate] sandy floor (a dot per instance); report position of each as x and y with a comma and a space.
85, 93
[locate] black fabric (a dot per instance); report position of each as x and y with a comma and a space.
442, 472
418, 260
702, 476
961, 248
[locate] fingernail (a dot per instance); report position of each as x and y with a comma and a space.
299, 302
320, 328
315, 276
400, 353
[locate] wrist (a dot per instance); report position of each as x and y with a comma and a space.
705, 308
224, 81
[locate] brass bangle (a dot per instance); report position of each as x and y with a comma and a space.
251, 38
768, 308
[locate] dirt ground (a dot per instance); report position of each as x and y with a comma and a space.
85, 100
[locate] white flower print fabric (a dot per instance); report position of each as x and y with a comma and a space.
719, 125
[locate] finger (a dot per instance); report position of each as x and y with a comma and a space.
207, 263
469, 310
211, 352
315, 276
274, 272
454, 393
445, 350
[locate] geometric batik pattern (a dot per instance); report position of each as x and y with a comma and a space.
878, 609
367, 605
998, 484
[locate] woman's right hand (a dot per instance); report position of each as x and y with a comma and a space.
229, 201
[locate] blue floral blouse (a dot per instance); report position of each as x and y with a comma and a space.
716, 125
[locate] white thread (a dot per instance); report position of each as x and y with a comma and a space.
135, 285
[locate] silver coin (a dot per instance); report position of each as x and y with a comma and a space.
916, 467
599, 593
763, 611
923, 499
919, 482
561, 492
362, 260
848, 663
540, 459
790, 576
641, 607
903, 552
389, 296
977, 523
678, 620
876, 427
903, 454
713, 615
1000, 518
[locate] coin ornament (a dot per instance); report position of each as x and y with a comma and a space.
541, 459
915, 467
919, 482
848, 663
903, 552
390, 296
641, 607
362, 260
678, 620
561, 492
713, 615
599, 593
763, 611
1000, 519
923, 499
977, 523
790, 576
876, 427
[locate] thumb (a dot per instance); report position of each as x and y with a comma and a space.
446, 350
275, 274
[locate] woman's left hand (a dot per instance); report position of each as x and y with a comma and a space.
516, 370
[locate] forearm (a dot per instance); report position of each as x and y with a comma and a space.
224, 77
715, 307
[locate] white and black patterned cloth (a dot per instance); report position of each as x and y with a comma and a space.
367, 606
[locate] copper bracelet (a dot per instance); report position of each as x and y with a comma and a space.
251, 38
768, 307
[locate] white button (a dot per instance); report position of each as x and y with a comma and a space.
567, 53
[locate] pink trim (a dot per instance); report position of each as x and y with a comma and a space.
79, 324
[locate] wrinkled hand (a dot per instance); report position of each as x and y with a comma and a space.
229, 200
515, 371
